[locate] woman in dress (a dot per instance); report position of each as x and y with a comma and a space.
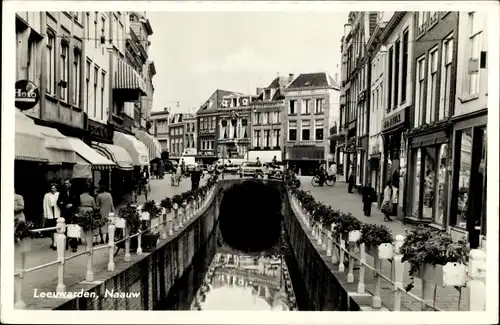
105, 205
51, 211
87, 204
386, 208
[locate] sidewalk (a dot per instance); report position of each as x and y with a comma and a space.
338, 198
46, 279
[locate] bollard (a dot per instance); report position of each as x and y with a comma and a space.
319, 235
164, 225
325, 239
127, 243
139, 243
89, 276
61, 246
350, 267
181, 218
477, 278
341, 253
176, 219
329, 243
377, 301
398, 272
111, 244
334, 243
170, 223
362, 262
19, 304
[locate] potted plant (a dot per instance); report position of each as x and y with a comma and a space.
148, 239
133, 223
90, 220
428, 251
375, 238
23, 234
347, 223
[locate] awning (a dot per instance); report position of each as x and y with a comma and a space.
29, 141
58, 147
87, 159
115, 153
136, 149
126, 78
151, 143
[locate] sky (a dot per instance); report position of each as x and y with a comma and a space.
196, 53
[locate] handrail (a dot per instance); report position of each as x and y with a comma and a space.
180, 216
328, 242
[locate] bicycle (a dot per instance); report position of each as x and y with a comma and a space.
329, 180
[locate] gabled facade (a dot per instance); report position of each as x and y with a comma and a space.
160, 122
176, 129
190, 137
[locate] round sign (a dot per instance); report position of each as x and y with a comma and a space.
27, 95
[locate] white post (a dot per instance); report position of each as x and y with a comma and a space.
19, 304
89, 276
377, 301
170, 223
319, 235
139, 243
342, 252
477, 278
163, 226
324, 234
362, 262
61, 247
176, 218
181, 219
398, 272
127, 243
111, 244
350, 271
334, 244
329, 241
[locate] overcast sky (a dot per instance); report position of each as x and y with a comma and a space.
196, 53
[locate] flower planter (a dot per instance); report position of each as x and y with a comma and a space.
454, 274
74, 231
431, 273
25, 245
145, 216
354, 235
385, 251
120, 223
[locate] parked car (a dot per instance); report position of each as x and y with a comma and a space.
249, 169
276, 170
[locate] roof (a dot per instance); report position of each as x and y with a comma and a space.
319, 80
279, 82
216, 99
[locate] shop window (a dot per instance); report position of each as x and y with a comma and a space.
440, 202
416, 185
464, 178
482, 179
429, 182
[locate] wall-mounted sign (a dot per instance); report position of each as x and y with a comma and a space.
27, 95
394, 120
99, 131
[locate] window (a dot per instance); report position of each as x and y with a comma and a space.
441, 186
87, 87
64, 69
306, 132
51, 64
103, 28
96, 80
421, 19
32, 58
276, 117
305, 107
430, 113
319, 109
77, 58
88, 25
266, 118
256, 138
292, 130
291, 107
319, 126
267, 138
396, 73
429, 182
389, 95
464, 178
276, 138
416, 183
446, 77
96, 37
103, 82
404, 67
213, 119
475, 46
419, 96
256, 118
267, 94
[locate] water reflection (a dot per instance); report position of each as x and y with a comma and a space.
241, 282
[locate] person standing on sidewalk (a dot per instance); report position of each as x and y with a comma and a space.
195, 178
350, 180
19, 207
386, 207
51, 211
368, 199
104, 202
68, 202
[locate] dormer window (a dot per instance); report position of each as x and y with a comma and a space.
267, 94
235, 102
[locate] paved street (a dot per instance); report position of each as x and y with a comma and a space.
339, 198
46, 279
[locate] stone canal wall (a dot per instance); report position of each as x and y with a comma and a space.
319, 281
166, 278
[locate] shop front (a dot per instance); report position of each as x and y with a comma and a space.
362, 162
393, 158
306, 159
137, 151
469, 172
374, 168
428, 176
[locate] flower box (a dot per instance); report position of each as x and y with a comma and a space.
431, 273
25, 245
385, 251
120, 223
354, 236
74, 231
145, 216
454, 274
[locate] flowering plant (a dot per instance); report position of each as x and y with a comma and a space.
150, 206
90, 219
131, 216
22, 230
167, 204
374, 235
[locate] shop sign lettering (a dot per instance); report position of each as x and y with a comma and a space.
27, 95
394, 120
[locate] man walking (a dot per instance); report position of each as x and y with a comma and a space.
368, 197
195, 177
68, 204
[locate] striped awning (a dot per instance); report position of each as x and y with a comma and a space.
29, 142
58, 147
126, 78
136, 149
86, 156
115, 153
151, 143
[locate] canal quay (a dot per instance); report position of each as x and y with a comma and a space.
245, 244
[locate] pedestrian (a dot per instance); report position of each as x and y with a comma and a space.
332, 171
68, 203
275, 161
386, 207
51, 211
87, 204
19, 207
195, 178
104, 202
154, 170
322, 173
368, 198
350, 180
183, 166
161, 169
258, 163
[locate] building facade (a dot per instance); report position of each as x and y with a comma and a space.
267, 121
160, 121
234, 126
312, 101
467, 180
429, 140
190, 138
176, 129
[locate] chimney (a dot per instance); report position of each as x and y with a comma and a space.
290, 77
259, 91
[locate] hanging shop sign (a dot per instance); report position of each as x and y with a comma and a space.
27, 95
394, 120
